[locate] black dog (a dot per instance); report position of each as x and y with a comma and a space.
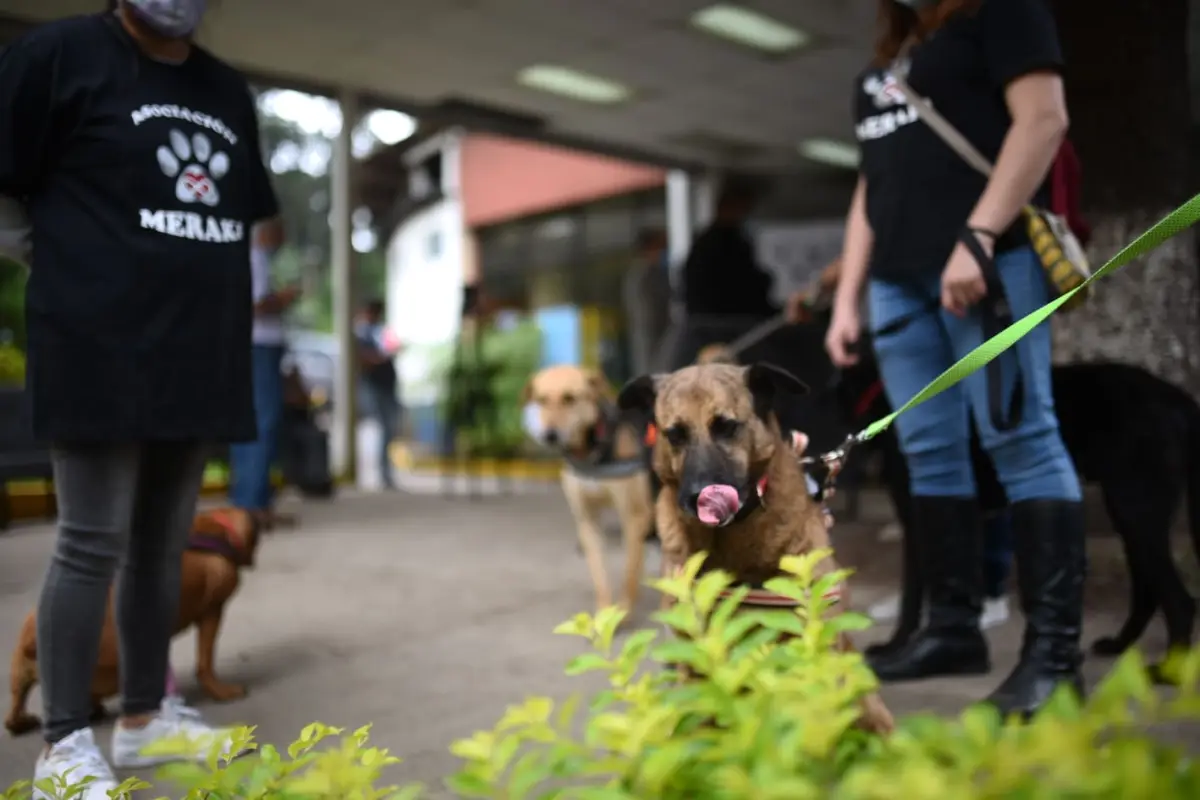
1127, 430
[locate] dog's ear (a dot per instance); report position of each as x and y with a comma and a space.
766, 382
527, 392
639, 394
599, 384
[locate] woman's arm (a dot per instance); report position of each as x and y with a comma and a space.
27, 68
856, 250
1039, 113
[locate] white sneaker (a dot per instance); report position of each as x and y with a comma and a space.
178, 733
886, 609
69, 762
995, 612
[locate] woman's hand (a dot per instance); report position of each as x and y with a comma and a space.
962, 280
842, 335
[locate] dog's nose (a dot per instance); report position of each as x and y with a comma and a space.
550, 437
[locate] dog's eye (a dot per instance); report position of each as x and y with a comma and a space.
568, 399
724, 428
677, 435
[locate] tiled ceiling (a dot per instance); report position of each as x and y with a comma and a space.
697, 99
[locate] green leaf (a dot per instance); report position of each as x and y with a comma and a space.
579, 625
679, 651
981, 723
708, 589
476, 748
587, 662
607, 621
566, 712
527, 773
849, 621
681, 618
637, 646
465, 784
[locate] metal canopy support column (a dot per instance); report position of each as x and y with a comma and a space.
704, 190
345, 404
679, 220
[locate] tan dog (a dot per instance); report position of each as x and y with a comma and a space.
222, 543
732, 487
604, 466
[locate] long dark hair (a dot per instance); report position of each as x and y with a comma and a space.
897, 23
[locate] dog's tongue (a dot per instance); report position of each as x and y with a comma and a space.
717, 504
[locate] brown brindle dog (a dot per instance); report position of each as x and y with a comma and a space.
222, 543
732, 487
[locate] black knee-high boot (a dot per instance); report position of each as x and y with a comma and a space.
1051, 563
912, 576
951, 541
912, 596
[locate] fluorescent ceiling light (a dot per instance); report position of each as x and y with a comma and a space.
573, 84
748, 28
831, 152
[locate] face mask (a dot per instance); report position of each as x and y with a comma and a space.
531, 421
174, 19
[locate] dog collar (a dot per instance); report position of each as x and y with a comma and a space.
599, 461
204, 543
216, 545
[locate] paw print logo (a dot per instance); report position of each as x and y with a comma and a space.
195, 167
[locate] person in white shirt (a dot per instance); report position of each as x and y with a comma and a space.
250, 462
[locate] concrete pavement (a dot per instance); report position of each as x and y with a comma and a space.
425, 616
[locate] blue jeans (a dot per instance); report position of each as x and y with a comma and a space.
250, 485
1030, 459
381, 404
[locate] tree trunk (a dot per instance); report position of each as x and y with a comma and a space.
1129, 99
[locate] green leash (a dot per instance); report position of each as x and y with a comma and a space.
1174, 223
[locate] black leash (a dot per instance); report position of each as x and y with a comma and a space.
995, 315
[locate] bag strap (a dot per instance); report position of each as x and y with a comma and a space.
942, 127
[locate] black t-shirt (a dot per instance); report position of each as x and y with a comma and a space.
142, 181
919, 191
381, 376
721, 275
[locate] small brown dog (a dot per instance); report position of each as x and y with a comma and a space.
604, 465
222, 543
732, 487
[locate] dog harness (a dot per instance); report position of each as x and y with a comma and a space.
599, 460
761, 598
204, 543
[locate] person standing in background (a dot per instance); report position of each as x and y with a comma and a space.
378, 383
250, 487
647, 299
726, 292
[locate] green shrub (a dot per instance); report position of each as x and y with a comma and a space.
347, 766
763, 719
504, 363
12, 366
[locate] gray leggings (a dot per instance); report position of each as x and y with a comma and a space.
127, 506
